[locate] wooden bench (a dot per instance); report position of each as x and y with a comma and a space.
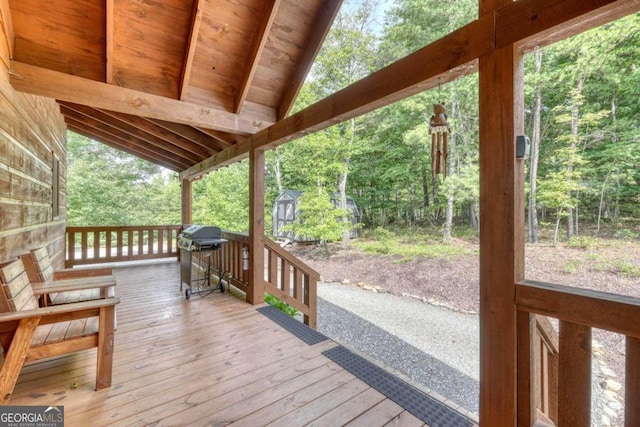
29, 332
39, 268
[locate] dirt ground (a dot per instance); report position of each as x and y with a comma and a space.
609, 266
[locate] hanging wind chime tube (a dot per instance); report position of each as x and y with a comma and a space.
439, 130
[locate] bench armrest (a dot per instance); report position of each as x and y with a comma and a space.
73, 273
70, 285
57, 310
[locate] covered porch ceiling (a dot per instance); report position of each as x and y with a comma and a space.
193, 85
173, 81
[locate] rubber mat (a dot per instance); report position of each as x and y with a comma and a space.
420, 405
295, 327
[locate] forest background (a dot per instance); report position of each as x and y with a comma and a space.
582, 115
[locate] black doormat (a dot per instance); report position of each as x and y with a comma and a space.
295, 327
421, 405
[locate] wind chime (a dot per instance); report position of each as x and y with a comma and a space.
439, 130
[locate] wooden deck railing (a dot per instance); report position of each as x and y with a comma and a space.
286, 277
554, 381
94, 245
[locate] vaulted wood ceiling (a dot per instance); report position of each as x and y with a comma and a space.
171, 81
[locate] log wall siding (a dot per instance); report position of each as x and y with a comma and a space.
32, 132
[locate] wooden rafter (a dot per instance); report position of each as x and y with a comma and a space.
253, 58
53, 84
193, 135
101, 121
124, 143
323, 25
109, 41
160, 132
223, 138
190, 51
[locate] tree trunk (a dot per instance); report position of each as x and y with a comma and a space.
532, 218
278, 172
448, 223
575, 121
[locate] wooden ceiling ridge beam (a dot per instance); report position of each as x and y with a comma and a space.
323, 26
192, 134
446, 59
253, 58
127, 145
122, 125
175, 139
190, 50
53, 84
107, 129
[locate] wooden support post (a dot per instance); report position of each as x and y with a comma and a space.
574, 388
255, 293
187, 202
632, 383
501, 232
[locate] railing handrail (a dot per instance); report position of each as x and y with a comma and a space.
568, 387
615, 313
296, 262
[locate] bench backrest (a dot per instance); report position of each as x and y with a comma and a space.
17, 293
43, 263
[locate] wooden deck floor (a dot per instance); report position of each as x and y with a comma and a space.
205, 361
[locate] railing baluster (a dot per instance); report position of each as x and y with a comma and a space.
574, 392
526, 323
632, 383
286, 277
85, 243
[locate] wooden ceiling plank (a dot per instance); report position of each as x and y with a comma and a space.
7, 28
109, 58
65, 87
190, 51
193, 135
99, 123
319, 33
253, 59
121, 144
170, 137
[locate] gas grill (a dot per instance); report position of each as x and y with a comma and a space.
197, 244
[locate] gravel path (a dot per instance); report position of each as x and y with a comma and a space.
435, 347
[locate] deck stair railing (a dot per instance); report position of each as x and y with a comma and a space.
286, 277
554, 380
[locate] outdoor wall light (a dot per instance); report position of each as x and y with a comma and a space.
523, 147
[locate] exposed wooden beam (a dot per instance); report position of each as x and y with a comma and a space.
548, 21
449, 58
270, 8
134, 141
128, 146
153, 129
7, 29
319, 33
192, 134
190, 51
109, 41
122, 126
225, 138
65, 87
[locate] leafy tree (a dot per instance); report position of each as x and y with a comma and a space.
318, 218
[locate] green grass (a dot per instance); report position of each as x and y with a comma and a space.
627, 269
572, 266
280, 305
